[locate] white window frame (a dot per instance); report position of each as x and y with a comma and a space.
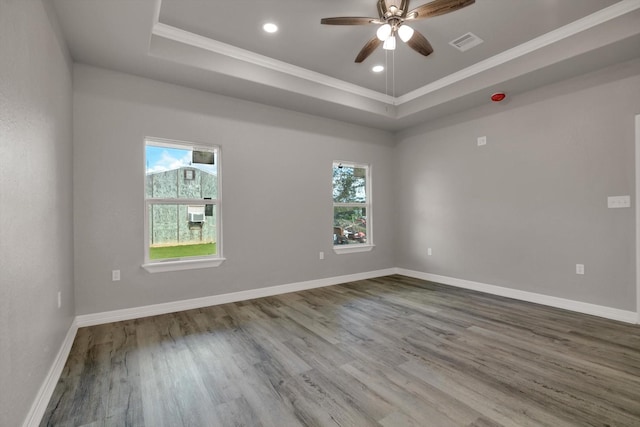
368, 204
186, 263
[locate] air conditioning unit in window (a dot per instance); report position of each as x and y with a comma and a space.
196, 217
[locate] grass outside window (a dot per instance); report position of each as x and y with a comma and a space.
181, 251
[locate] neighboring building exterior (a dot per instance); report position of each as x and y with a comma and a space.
171, 225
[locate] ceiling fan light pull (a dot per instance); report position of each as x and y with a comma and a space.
405, 33
384, 32
390, 43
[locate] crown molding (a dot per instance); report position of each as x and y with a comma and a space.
590, 21
198, 41
182, 36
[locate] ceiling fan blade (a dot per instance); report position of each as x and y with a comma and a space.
404, 7
438, 7
382, 8
420, 44
368, 49
348, 20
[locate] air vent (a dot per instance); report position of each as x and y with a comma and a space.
466, 42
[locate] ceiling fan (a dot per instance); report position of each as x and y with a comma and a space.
392, 22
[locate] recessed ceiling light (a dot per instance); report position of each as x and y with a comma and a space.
378, 69
270, 27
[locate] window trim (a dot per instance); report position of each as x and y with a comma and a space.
185, 263
182, 264
355, 247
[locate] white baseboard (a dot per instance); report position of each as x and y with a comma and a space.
172, 307
567, 304
43, 397
39, 406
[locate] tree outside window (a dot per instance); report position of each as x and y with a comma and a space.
351, 204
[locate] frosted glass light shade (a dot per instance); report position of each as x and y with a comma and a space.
384, 32
390, 43
405, 32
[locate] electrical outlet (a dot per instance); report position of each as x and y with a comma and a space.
115, 275
429, 251
59, 299
579, 268
482, 140
321, 255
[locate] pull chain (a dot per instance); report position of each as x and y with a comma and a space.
386, 72
393, 81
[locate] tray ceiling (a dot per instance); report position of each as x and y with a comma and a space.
220, 47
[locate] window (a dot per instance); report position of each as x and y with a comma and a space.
182, 206
351, 208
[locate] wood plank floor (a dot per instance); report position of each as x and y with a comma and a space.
393, 351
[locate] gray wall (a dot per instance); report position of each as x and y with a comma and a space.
276, 190
36, 250
519, 212
523, 210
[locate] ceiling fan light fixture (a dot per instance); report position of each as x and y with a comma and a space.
405, 33
390, 20
384, 32
390, 43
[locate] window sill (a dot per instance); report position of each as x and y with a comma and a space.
348, 249
187, 264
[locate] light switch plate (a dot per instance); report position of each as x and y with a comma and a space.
482, 140
619, 202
